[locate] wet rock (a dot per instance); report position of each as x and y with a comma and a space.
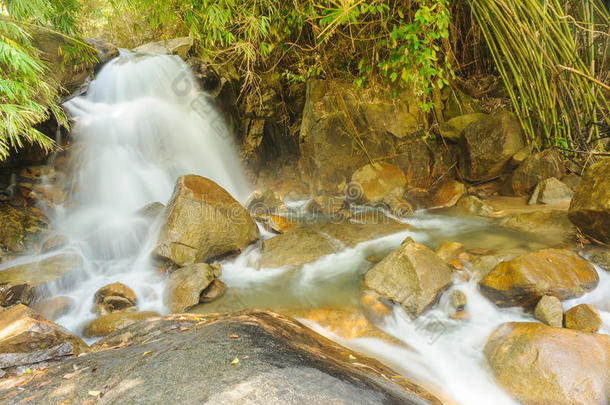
458, 300
549, 311
21, 229
152, 210
113, 297
398, 206
276, 223
107, 324
186, 285
487, 145
534, 169
473, 205
106, 51
213, 291
37, 173
21, 284
264, 201
446, 194
452, 129
187, 359
448, 251
572, 180
590, 207
371, 183
174, 46
414, 158
326, 205
53, 308
203, 221
550, 191
525, 279
583, 317
599, 256
412, 275
539, 364
54, 242
27, 338
307, 244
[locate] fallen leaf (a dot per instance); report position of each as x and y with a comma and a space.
235, 361
233, 336
146, 354
183, 329
28, 371
95, 393
351, 357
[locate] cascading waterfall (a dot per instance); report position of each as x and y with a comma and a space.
142, 123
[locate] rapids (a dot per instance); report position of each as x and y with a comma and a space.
143, 122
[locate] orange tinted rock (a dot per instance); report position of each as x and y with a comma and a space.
447, 194
375, 181
583, 317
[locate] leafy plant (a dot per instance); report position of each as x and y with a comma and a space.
28, 93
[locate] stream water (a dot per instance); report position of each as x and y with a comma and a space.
143, 122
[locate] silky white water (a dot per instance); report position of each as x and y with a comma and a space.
143, 123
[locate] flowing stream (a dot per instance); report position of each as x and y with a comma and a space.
143, 122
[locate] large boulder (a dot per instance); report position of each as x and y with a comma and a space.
452, 129
551, 191
27, 338
21, 230
203, 221
114, 297
539, 364
375, 181
590, 207
25, 282
412, 276
525, 279
487, 145
251, 357
341, 124
185, 286
303, 245
535, 168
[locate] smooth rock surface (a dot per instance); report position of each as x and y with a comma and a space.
539, 364
549, 311
185, 286
525, 279
187, 359
377, 180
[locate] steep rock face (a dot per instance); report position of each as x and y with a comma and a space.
335, 118
525, 279
488, 144
203, 221
27, 338
539, 364
377, 180
412, 275
251, 357
590, 207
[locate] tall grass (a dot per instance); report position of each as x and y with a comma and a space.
547, 60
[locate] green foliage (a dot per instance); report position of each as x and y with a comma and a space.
28, 93
547, 60
397, 42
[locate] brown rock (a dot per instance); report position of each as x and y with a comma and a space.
534, 169
21, 284
599, 256
21, 229
583, 317
326, 205
26, 338
473, 205
276, 223
458, 300
115, 290
264, 201
186, 285
524, 280
590, 207
446, 194
110, 323
203, 221
214, 290
487, 145
449, 250
452, 129
398, 206
54, 242
375, 181
412, 275
550, 191
572, 180
539, 364
549, 311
